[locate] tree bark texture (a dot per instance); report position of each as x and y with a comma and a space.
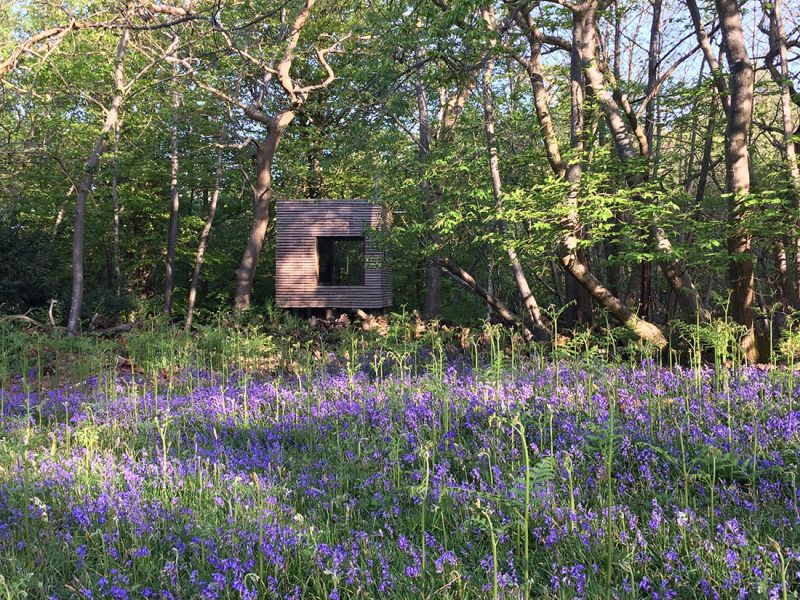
533, 66
737, 172
116, 217
573, 257
174, 209
646, 280
674, 272
85, 186
568, 248
262, 200
533, 314
708, 54
433, 275
204, 235
782, 76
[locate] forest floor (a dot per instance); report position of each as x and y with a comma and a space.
231, 463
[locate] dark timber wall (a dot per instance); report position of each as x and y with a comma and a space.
298, 224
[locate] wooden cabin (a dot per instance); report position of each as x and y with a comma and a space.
326, 259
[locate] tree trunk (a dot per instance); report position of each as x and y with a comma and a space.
204, 234
687, 186
779, 48
576, 270
450, 111
644, 330
575, 260
116, 209
533, 66
580, 309
314, 178
645, 288
645, 273
433, 290
708, 53
617, 38
737, 179
433, 274
533, 314
613, 270
653, 56
579, 301
583, 52
262, 196
783, 283
175, 204
674, 272
85, 185
313, 130
705, 162
468, 281
489, 285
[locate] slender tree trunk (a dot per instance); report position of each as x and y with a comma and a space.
693, 136
576, 260
708, 53
204, 235
645, 288
314, 183
59, 219
737, 180
115, 207
175, 205
645, 273
85, 186
433, 290
617, 38
313, 129
621, 104
568, 249
533, 313
653, 56
262, 197
658, 137
489, 285
783, 282
433, 274
693, 297
467, 280
673, 270
705, 161
570, 253
782, 76
533, 66
613, 270
583, 52
450, 110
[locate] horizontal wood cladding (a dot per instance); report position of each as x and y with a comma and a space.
299, 223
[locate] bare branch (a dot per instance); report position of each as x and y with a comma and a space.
330, 75
666, 75
285, 65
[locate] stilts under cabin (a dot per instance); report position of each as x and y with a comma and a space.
325, 257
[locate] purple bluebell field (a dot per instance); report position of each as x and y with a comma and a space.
581, 480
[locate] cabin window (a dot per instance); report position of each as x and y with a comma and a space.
340, 260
